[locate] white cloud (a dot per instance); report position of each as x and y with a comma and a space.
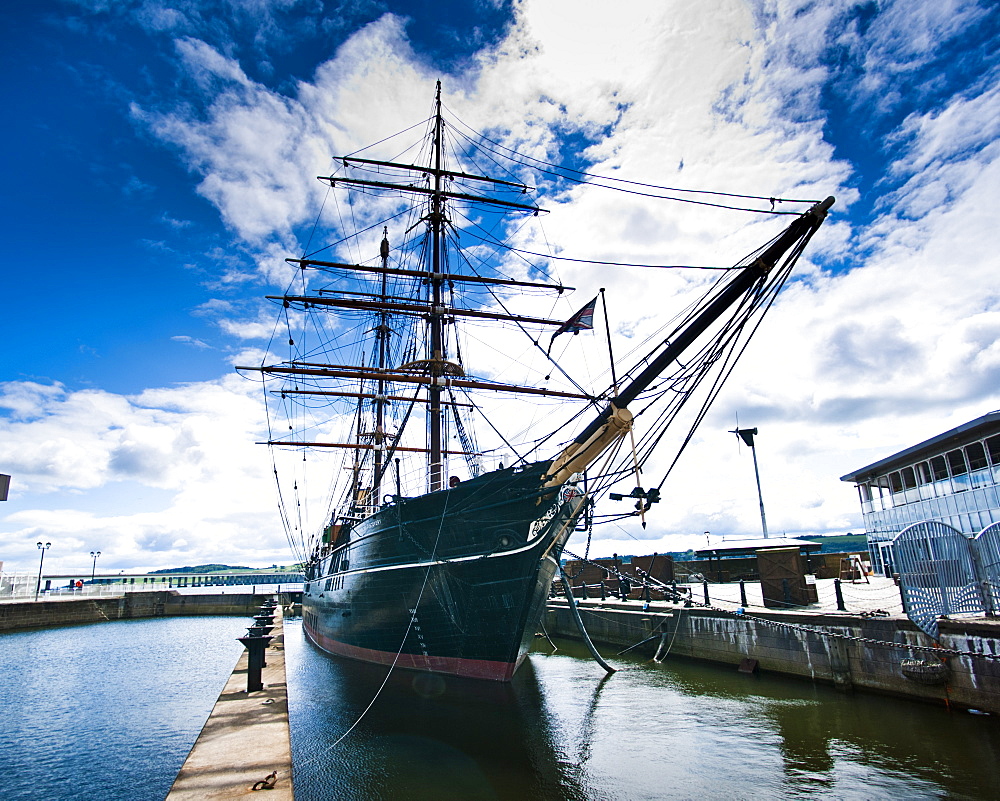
190, 449
898, 345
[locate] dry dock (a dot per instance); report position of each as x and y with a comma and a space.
245, 738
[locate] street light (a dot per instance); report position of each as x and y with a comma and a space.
41, 561
94, 554
747, 434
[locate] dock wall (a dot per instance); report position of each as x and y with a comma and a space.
162, 603
857, 659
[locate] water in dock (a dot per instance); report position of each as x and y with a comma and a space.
109, 711
672, 731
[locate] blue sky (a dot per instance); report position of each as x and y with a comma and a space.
160, 161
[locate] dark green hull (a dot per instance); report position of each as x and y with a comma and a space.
450, 582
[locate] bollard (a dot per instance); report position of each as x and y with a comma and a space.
743, 593
257, 631
255, 660
254, 632
840, 595
604, 595
704, 586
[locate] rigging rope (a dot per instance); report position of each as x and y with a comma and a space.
564, 173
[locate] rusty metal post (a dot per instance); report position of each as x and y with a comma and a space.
840, 595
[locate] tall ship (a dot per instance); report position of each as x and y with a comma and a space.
463, 454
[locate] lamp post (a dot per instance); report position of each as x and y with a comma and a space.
93, 570
41, 561
747, 435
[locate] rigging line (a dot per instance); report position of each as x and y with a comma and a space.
383, 221
488, 237
282, 513
500, 303
319, 215
473, 148
617, 263
621, 180
351, 244
759, 306
520, 459
700, 367
386, 139
499, 244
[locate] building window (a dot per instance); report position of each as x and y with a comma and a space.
978, 464
923, 472
895, 483
959, 470
977, 456
993, 446
956, 461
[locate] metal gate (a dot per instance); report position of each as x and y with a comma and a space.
987, 556
937, 574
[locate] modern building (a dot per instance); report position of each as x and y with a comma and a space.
953, 478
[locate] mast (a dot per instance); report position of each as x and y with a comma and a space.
436, 318
382, 336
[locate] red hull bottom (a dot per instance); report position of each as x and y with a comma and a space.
452, 666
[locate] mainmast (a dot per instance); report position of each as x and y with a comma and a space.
430, 368
436, 317
380, 401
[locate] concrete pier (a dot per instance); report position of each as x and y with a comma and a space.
245, 738
799, 643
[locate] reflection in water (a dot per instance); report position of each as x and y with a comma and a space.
423, 737
677, 730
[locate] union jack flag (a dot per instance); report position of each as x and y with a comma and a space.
583, 320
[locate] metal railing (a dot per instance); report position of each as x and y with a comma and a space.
25, 586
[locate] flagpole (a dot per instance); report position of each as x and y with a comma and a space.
631, 433
611, 355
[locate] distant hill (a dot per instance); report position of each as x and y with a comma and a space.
201, 569
843, 543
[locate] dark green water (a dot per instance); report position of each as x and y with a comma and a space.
681, 730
